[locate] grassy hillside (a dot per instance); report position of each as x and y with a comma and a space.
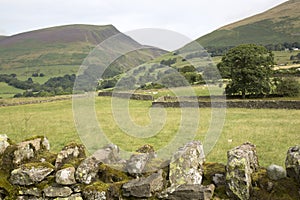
40, 50
275, 26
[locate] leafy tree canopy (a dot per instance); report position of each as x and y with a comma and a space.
248, 67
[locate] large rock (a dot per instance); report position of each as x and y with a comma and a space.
68, 153
242, 162
186, 166
26, 150
57, 191
88, 169
65, 176
276, 172
292, 163
190, 192
3, 143
144, 187
31, 173
137, 162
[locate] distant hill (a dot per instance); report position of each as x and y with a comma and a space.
61, 46
2, 37
276, 26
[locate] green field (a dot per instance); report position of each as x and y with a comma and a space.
7, 91
273, 131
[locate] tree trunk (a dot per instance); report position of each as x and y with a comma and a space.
243, 94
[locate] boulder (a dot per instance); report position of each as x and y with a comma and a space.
242, 162
292, 163
276, 172
65, 176
144, 187
3, 143
88, 169
69, 153
136, 163
28, 149
57, 191
186, 165
30, 173
190, 192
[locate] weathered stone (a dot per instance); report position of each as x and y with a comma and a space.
88, 169
72, 197
28, 149
137, 162
96, 191
30, 173
190, 192
57, 191
144, 187
31, 192
3, 143
69, 152
276, 172
108, 154
66, 176
186, 164
242, 162
292, 163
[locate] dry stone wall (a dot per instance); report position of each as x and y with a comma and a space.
30, 171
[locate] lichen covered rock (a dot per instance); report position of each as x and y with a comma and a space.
3, 143
137, 162
186, 165
144, 187
30, 173
66, 176
88, 169
57, 191
96, 191
190, 192
22, 152
292, 163
242, 162
69, 153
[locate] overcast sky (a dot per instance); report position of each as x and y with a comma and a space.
192, 18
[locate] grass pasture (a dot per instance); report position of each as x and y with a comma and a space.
7, 91
273, 131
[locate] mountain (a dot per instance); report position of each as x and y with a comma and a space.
61, 46
275, 26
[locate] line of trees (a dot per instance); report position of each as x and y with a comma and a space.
54, 86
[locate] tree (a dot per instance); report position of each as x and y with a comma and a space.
288, 87
249, 67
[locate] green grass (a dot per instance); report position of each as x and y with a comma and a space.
273, 131
7, 91
283, 57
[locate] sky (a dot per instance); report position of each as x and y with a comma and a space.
192, 18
